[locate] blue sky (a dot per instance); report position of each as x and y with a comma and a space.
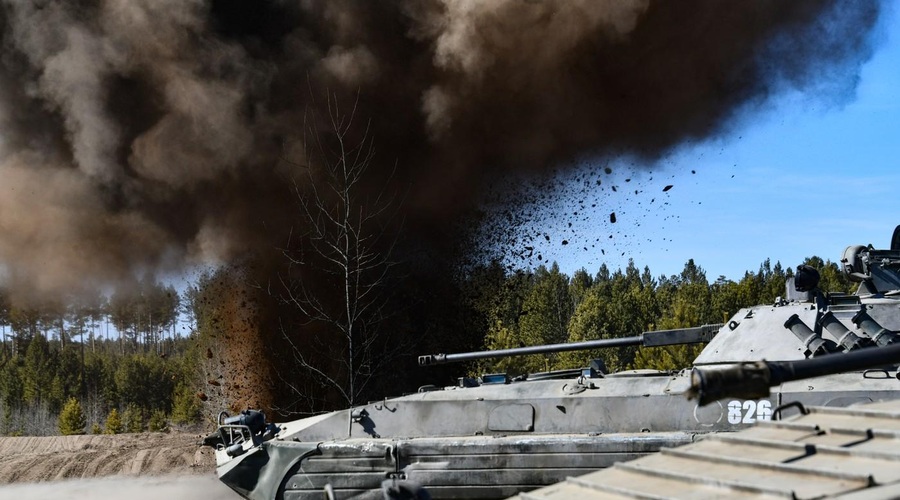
800, 178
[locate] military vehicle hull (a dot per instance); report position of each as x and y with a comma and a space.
501, 437
495, 441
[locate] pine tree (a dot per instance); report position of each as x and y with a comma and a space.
132, 419
72, 420
38, 370
113, 422
186, 407
157, 421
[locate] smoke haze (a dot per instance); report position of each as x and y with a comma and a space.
147, 135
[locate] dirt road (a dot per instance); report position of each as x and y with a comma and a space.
167, 466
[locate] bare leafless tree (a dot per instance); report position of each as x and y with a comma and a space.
340, 256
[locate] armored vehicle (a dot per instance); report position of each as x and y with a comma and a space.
493, 437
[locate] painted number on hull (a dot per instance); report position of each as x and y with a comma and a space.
749, 411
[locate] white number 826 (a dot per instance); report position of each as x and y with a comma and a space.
749, 411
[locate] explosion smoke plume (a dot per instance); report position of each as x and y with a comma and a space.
145, 134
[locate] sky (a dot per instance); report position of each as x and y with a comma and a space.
795, 179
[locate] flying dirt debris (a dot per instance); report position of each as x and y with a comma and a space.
494, 436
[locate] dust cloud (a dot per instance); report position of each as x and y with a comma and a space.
149, 135
133, 488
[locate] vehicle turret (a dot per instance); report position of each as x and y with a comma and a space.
822, 322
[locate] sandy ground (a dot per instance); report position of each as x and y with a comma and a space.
168, 466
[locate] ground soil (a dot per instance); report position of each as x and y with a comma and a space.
148, 466
54, 458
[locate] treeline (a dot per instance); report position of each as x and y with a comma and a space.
120, 357
152, 357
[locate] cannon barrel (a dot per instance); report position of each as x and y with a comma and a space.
677, 336
752, 380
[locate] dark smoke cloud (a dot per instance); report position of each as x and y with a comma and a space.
145, 134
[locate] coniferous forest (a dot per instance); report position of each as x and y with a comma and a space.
156, 357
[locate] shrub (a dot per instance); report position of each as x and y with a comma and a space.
114, 422
133, 419
157, 421
71, 419
186, 407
